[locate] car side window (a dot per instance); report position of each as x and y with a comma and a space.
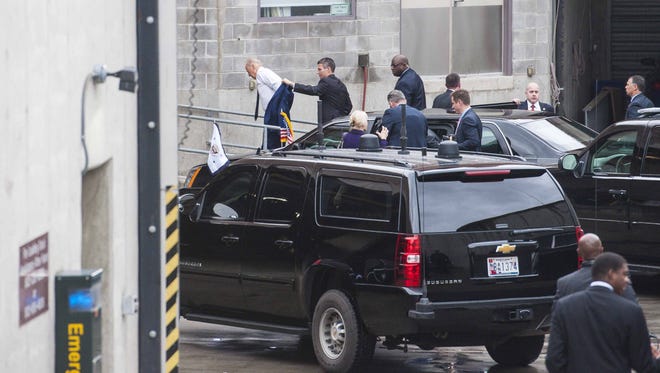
489, 143
283, 194
651, 161
613, 154
230, 195
359, 201
332, 136
353, 198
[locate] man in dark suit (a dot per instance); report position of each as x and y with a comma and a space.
589, 247
409, 82
443, 100
532, 102
634, 88
469, 129
331, 91
597, 330
416, 126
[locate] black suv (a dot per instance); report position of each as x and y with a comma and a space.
615, 189
350, 245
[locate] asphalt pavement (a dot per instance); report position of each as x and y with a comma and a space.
212, 348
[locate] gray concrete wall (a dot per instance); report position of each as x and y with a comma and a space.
91, 221
229, 32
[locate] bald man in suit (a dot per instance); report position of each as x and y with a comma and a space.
589, 247
598, 330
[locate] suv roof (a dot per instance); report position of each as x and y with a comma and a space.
417, 160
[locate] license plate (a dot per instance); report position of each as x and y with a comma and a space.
503, 266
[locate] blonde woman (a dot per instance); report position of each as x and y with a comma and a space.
358, 127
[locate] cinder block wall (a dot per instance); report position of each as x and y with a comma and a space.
229, 32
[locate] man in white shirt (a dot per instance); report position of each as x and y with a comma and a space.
267, 81
267, 84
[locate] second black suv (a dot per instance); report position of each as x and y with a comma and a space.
350, 245
615, 189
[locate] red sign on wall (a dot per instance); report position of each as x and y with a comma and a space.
33, 279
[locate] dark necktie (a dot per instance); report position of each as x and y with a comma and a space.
532, 107
256, 108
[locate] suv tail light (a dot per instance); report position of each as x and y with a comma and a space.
579, 232
408, 261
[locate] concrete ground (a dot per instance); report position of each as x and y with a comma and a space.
214, 348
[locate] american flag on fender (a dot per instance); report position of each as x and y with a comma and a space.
286, 130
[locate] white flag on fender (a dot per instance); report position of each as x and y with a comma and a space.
217, 156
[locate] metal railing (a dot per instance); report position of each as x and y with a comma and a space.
213, 115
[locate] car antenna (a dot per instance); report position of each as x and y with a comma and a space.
404, 132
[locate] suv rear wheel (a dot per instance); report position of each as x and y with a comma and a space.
341, 343
518, 351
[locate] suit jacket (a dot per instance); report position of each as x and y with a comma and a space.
443, 100
412, 87
543, 106
351, 139
596, 330
580, 280
469, 131
280, 102
638, 102
416, 126
333, 94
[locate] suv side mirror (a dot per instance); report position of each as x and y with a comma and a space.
190, 206
568, 162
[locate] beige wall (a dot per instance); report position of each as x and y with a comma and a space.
47, 51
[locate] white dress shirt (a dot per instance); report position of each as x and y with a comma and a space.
267, 83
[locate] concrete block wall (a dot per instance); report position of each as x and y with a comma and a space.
291, 49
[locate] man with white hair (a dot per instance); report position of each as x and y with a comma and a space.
267, 81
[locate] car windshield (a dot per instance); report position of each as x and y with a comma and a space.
561, 133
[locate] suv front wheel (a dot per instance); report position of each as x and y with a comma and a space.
519, 351
341, 343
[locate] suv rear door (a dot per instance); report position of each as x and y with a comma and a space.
485, 229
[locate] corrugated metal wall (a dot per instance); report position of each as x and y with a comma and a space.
635, 35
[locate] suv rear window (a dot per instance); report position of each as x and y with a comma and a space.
455, 202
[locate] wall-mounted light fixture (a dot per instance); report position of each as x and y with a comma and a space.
128, 77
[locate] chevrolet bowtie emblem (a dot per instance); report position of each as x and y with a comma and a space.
506, 248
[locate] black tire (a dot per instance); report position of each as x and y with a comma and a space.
341, 343
518, 351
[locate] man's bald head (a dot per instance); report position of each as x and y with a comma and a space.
589, 246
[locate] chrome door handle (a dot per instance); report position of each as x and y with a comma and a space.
283, 244
229, 239
618, 193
